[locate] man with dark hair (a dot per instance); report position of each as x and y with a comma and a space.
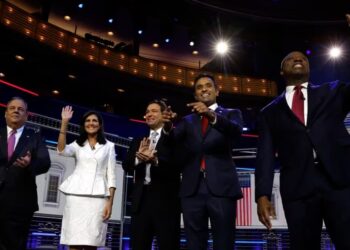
209, 187
305, 127
23, 155
155, 202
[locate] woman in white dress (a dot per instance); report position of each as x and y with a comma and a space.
90, 188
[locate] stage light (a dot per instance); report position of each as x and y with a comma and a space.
81, 5
140, 32
110, 33
335, 52
308, 52
192, 43
67, 18
222, 47
19, 57
110, 20
167, 40
155, 45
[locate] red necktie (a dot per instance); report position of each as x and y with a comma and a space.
11, 144
298, 103
205, 123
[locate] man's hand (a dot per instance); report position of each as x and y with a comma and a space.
168, 117
23, 161
145, 154
265, 211
202, 109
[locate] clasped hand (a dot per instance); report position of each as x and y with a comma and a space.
23, 161
145, 153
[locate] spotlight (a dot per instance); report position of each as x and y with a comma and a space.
110, 20
222, 47
81, 5
140, 32
192, 43
167, 40
335, 52
308, 52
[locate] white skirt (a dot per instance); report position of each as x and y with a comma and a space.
82, 222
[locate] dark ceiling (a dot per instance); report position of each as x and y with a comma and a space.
262, 33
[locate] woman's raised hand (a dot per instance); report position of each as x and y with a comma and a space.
67, 113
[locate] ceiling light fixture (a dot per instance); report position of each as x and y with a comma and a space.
19, 58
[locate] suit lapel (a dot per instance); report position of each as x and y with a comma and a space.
197, 125
282, 103
315, 102
3, 143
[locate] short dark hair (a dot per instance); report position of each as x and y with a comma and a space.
17, 98
161, 102
202, 75
82, 132
285, 58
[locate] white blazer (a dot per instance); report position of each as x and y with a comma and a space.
95, 170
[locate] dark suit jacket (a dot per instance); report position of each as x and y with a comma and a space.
165, 178
216, 148
282, 133
18, 192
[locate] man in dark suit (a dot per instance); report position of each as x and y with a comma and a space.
304, 126
22, 156
155, 202
209, 187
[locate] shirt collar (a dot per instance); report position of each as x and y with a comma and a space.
157, 130
213, 106
290, 88
19, 130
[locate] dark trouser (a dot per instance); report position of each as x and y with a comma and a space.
305, 216
14, 232
222, 214
159, 217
